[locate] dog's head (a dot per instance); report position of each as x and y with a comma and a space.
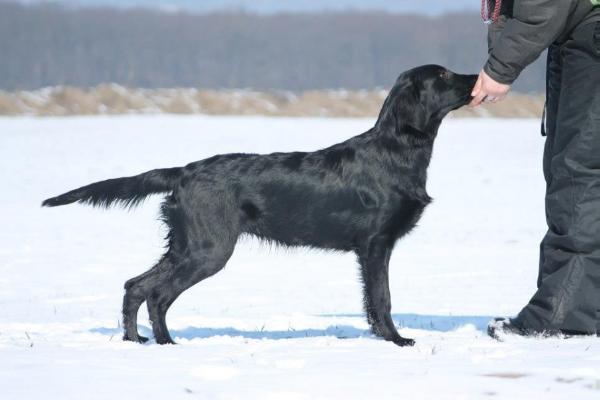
423, 96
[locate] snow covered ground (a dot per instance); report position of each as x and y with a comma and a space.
265, 327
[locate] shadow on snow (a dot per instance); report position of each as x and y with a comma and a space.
437, 323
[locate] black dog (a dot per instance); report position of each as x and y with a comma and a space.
360, 195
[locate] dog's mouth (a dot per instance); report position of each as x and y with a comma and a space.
467, 98
470, 84
460, 102
452, 107
463, 101
462, 92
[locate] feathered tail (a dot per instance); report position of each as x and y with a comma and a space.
128, 192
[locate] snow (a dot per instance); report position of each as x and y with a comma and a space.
276, 323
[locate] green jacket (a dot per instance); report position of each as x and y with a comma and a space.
528, 27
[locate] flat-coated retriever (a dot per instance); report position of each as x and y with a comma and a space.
361, 195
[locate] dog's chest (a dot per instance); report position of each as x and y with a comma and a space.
403, 213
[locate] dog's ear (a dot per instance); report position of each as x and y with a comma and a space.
404, 106
411, 108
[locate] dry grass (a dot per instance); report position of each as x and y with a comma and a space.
115, 99
515, 106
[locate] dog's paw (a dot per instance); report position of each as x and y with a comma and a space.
137, 339
403, 342
164, 340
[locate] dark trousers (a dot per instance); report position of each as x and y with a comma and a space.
568, 295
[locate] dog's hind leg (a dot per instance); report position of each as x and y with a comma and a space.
374, 263
202, 236
183, 276
135, 295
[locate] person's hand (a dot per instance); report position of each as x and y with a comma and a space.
488, 90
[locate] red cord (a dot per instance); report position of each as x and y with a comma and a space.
485, 10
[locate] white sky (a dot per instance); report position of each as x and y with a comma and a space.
269, 6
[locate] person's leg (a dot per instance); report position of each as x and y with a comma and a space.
553, 85
568, 295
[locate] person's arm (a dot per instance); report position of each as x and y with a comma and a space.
534, 26
495, 31
517, 41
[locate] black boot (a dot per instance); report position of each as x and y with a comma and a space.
507, 326
500, 327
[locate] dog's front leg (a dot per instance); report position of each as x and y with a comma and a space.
374, 263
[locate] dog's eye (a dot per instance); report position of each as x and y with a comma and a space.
445, 75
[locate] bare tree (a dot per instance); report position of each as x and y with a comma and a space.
46, 45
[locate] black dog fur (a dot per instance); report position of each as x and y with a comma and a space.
360, 195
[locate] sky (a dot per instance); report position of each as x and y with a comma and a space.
273, 6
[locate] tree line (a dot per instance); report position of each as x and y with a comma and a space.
48, 45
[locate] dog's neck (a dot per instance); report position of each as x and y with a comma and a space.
408, 132
409, 147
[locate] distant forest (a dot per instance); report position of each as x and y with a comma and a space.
48, 45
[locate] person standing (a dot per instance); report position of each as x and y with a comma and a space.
567, 300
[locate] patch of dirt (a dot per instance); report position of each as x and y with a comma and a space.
506, 375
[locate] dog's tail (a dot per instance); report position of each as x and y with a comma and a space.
128, 192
